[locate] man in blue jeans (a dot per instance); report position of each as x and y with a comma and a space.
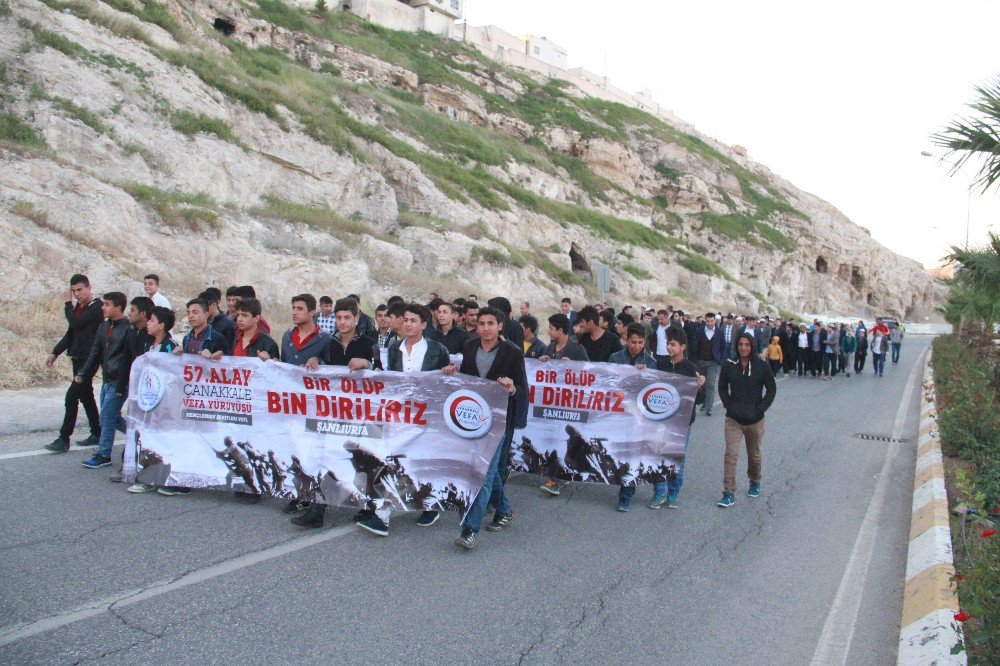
677, 363
108, 351
490, 357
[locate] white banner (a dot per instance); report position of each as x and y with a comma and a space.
413, 440
604, 422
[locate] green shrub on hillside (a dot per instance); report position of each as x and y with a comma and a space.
16, 131
637, 271
742, 226
321, 219
177, 209
83, 114
189, 124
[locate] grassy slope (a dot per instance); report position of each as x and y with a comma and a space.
265, 79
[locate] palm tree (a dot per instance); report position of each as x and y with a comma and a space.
975, 290
977, 137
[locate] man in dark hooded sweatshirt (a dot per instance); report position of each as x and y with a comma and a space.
747, 389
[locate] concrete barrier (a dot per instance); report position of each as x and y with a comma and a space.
928, 630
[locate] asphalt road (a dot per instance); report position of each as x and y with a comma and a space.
812, 571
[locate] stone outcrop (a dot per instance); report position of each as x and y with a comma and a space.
223, 209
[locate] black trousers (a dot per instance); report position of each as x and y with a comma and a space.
75, 395
859, 362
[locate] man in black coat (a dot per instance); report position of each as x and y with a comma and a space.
83, 320
489, 357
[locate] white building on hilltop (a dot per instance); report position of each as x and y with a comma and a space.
453, 8
540, 48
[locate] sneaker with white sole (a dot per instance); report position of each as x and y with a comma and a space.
374, 526
467, 539
657, 501
499, 522
754, 490
141, 488
97, 462
727, 500
427, 518
552, 487
671, 500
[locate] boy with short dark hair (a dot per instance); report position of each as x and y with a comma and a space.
107, 352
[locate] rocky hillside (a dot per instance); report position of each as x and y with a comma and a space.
219, 142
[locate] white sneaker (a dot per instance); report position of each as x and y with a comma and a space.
141, 488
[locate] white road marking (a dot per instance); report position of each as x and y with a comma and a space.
838, 631
26, 454
16, 632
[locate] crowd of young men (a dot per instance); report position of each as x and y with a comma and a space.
730, 356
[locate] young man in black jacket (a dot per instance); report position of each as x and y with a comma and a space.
108, 352
219, 322
747, 389
83, 320
136, 338
489, 357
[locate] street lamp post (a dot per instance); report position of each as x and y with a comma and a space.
968, 201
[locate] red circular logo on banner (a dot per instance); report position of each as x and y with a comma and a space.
467, 414
659, 401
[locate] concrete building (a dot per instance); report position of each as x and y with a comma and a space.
453, 8
540, 48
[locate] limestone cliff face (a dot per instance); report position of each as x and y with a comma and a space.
305, 152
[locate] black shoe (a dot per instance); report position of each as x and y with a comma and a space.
363, 515
374, 525
58, 445
91, 440
467, 539
294, 506
247, 498
311, 518
499, 522
170, 491
428, 518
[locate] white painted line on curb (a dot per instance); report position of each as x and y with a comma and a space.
16, 632
838, 631
931, 490
929, 458
930, 548
918, 650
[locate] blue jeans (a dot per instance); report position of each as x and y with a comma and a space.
111, 418
492, 492
878, 363
673, 486
895, 351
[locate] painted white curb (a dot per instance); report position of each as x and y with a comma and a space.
928, 630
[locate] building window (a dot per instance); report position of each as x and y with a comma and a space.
537, 50
454, 5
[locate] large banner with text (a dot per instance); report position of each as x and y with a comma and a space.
604, 423
360, 439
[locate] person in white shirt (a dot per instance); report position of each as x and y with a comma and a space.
411, 353
803, 355
151, 285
